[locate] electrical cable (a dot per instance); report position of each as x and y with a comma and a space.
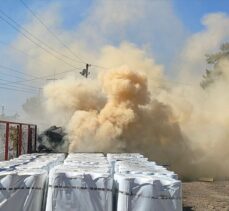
51, 32
19, 90
47, 50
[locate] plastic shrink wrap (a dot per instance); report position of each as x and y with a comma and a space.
23, 190
83, 183
141, 185
23, 181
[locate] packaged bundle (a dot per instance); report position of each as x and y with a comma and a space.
79, 190
22, 190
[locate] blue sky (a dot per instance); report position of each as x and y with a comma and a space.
73, 12
192, 11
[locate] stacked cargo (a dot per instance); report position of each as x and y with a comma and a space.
38, 161
144, 186
87, 181
23, 181
83, 182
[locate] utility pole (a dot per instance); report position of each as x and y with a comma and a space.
85, 72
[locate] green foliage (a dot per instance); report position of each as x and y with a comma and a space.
211, 76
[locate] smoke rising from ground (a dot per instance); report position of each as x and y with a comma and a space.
131, 105
125, 91
130, 120
128, 109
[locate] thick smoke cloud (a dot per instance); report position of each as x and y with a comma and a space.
130, 105
130, 120
138, 109
125, 91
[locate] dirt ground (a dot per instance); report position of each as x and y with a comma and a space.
206, 196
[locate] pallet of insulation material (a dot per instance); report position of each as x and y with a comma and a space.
83, 182
22, 190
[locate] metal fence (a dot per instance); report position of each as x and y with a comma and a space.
16, 138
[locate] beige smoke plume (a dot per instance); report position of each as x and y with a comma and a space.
67, 96
129, 120
134, 108
92, 127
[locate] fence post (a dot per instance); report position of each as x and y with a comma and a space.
20, 139
29, 140
35, 139
7, 141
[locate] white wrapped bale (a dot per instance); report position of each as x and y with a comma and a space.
84, 182
147, 193
144, 186
81, 191
22, 191
117, 157
34, 163
142, 167
41, 161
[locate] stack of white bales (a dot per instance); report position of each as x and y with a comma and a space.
84, 182
144, 186
113, 158
23, 180
41, 161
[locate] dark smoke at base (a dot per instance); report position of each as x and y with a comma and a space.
53, 139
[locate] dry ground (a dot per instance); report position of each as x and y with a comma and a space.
206, 196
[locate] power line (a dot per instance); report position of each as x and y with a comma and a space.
19, 90
18, 87
80, 68
19, 50
51, 32
26, 86
8, 45
13, 70
16, 71
56, 37
43, 45
44, 77
34, 37
33, 78
6, 74
46, 49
